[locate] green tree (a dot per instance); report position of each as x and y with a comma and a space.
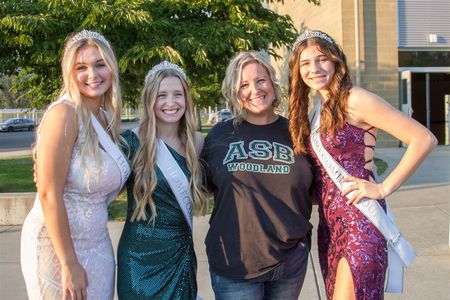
6, 99
201, 35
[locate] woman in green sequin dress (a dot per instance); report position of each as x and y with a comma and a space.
156, 258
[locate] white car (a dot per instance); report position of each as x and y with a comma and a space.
221, 116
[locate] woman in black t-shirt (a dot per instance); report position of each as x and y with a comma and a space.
259, 236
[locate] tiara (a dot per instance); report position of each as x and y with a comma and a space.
165, 65
86, 34
312, 33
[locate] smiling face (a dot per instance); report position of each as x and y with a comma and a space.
170, 104
316, 69
92, 75
256, 91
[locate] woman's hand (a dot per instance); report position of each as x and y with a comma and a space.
74, 282
361, 189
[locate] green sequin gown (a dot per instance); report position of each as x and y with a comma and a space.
156, 262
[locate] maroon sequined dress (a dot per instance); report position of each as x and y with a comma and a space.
344, 232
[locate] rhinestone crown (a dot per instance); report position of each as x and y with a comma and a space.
85, 34
164, 65
312, 33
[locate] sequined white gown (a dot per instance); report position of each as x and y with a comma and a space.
87, 215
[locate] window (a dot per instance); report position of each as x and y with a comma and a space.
424, 58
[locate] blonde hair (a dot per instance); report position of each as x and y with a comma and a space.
233, 77
333, 109
144, 162
111, 100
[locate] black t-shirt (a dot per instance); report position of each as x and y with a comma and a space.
262, 203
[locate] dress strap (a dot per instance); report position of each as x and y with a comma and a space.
373, 135
370, 146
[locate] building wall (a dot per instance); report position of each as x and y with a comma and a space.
379, 66
415, 28
377, 37
307, 15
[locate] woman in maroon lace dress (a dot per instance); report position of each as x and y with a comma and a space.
352, 251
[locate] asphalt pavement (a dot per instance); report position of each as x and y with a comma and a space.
421, 208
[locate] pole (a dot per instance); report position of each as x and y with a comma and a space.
357, 59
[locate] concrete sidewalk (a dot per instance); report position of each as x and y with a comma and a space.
421, 208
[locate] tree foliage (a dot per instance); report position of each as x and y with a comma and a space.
200, 35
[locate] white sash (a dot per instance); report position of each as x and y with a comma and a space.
175, 177
400, 252
113, 150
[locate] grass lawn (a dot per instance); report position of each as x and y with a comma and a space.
205, 131
381, 165
16, 175
117, 210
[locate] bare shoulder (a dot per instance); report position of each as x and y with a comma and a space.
60, 119
362, 104
359, 98
61, 110
199, 141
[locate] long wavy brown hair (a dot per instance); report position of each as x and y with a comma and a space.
334, 107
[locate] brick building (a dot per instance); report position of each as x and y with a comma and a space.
398, 49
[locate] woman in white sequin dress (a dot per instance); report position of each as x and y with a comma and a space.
66, 251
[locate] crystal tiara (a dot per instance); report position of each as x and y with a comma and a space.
85, 34
164, 65
312, 33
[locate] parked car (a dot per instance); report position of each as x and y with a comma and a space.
224, 115
16, 124
221, 116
